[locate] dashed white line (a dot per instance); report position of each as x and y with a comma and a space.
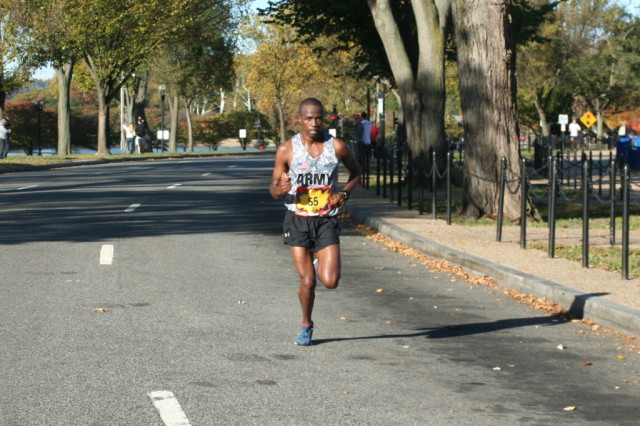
106, 254
170, 411
206, 174
232, 166
27, 187
175, 185
132, 207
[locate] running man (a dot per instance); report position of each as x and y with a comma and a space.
306, 174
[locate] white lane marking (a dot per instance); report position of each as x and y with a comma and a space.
206, 174
27, 187
232, 166
106, 254
175, 185
132, 207
170, 411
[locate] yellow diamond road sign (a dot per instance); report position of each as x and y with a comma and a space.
588, 119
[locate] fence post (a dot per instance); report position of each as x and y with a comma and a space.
625, 221
523, 204
434, 184
575, 161
384, 173
503, 182
552, 209
585, 212
399, 154
448, 187
612, 201
409, 178
381, 150
600, 170
424, 164
392, 164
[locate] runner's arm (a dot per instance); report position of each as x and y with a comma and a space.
346, 157
280, 182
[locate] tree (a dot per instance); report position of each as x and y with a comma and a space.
412, 35
279, 68
204, 62
607, 41
541, 63
15, 68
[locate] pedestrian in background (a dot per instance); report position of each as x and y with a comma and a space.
140, 136
4, 138
129, 136
574, 132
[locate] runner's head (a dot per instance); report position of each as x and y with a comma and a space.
311, 117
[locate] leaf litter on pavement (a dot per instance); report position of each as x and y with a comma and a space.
442, 265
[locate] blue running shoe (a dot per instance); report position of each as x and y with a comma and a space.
304, 337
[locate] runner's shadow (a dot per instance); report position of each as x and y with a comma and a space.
458, 330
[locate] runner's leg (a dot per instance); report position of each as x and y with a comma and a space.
303, 260
329, 265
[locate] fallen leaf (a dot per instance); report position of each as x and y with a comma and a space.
586, 363
389, 322
562, 347
497, 369
412, 298
100, 310
621, 357
380, 290
406, 347
345, 392
570, 408
512, 365
343, 318
617, 388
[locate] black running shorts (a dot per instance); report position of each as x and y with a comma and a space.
314, 232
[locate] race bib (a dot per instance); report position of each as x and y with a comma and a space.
313, 200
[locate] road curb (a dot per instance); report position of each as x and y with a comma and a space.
604, 312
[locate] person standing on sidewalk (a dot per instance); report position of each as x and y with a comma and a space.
4, 138
306, 175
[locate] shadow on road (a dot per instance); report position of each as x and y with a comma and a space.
458, 330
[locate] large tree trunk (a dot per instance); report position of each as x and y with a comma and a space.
103, 123
281, 122
420, 85
64, 74
141, 101
486, 58
173, 122
544, 124
187, 111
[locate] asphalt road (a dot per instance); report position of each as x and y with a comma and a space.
159, 292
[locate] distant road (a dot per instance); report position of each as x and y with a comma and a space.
159, 292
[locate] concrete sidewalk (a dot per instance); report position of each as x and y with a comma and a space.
600, 296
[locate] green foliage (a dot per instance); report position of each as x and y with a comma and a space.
214, 129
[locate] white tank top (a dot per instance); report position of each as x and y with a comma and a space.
314, 181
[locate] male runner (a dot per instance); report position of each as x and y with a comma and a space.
306, 174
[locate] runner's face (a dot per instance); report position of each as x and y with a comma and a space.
311, 119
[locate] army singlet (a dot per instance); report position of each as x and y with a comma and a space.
314, 181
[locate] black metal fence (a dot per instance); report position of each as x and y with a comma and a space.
563, 175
